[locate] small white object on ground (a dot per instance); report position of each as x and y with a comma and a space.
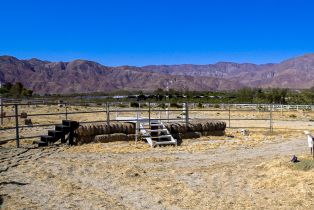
244, 132
309, 138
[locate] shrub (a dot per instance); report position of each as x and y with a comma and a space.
216, 106
23, 115
162, 105
134, 104
175, 105
122, 105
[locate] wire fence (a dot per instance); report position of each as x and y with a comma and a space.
46, 115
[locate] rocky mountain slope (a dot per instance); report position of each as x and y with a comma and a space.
81, 76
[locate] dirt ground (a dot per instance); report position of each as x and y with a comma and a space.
229, 172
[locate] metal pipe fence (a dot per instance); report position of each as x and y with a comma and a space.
188, 111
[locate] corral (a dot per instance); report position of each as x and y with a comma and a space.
239, 171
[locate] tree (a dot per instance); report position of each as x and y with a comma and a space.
246, 95
277, 96
15, 90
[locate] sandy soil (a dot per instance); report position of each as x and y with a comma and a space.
237, 172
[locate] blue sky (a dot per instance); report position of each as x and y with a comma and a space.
139, 32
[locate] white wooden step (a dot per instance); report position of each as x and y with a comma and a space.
165, 143
157, 130
160, 137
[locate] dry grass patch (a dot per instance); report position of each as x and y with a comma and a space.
290, 183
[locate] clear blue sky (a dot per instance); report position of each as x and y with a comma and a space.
140, 32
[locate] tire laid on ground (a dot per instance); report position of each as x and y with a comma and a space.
118, 137
131, 128
224, 125
198, 127
174, 128
191, 127
94, 130
88, 130
204, 126
217, 126
131, 137
168, 126
118, 128
105, 129
113, 128
98, 129
102, 138
182, 128
211, 126
80, 131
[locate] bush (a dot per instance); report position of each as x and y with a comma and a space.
23, 115
134, 104
175, 105
15, 90
162, 105
122, 105
216, 106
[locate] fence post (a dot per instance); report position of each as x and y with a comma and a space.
167, 111
139, 108
66, 111
117, 113
149, 113
108, 116
186, 113
17, 126
270, 119
229, 117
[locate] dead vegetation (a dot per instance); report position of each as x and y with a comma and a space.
233, 171
239, 172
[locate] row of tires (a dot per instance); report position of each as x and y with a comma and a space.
105, 138
129, 128
99, 129
196, 126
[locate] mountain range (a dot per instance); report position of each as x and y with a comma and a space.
82, 76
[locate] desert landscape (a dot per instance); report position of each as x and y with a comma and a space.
232, 171
162, 105
222, 172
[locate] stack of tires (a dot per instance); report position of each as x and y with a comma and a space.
195, 129
104, 133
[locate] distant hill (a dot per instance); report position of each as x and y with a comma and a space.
81, 76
